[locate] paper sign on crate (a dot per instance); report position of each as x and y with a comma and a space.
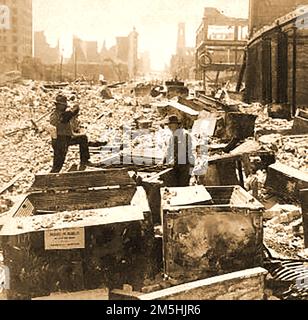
65, 239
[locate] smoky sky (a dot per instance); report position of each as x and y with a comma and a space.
155, 20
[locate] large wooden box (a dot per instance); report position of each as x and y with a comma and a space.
91, 230
209, 238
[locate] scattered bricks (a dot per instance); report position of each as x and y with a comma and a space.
285, 181
288, 213
127, 288
300, 125
144, 124
152, 288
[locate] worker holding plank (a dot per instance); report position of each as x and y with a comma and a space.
63, 136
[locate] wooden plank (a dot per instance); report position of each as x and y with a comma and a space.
85, 218
158, 175
206, 289
12, 182
204, 127
98, 295
187, 195
180, 107
86, 179
81, 200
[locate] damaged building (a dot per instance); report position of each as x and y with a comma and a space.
220, 46
276, 56
185, 195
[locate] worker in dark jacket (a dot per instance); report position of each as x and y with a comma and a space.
63, 136
179, 153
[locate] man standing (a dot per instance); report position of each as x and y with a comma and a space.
63, 136
179, 153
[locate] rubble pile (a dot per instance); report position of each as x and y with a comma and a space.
291, 151
283, 230
26, 146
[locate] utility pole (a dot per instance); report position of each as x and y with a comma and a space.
75, 61
61, 67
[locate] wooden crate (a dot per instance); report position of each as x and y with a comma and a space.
108, 235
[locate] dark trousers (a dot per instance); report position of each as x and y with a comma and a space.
180, 176
60, 148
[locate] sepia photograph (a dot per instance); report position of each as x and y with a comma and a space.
153, 150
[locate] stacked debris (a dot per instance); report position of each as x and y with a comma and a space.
244, 143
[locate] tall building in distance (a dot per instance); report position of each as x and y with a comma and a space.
183, 62
181, 43
127, 52
85, 51
15, 33
43, 51
133, 54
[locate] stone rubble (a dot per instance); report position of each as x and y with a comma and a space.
26, 145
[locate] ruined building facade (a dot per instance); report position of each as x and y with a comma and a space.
15, 33
276, 71
127, 52
220, 44
43, 51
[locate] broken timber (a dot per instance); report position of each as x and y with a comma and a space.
242, 285
12, 182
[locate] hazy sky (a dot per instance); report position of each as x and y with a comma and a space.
155, 20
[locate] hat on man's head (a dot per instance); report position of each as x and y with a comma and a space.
173, 120
61, 100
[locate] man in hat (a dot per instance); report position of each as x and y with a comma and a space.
179, 153
62, 135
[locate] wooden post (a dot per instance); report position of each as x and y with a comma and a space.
304, 203
294, 71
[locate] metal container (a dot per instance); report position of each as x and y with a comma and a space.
209, 238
